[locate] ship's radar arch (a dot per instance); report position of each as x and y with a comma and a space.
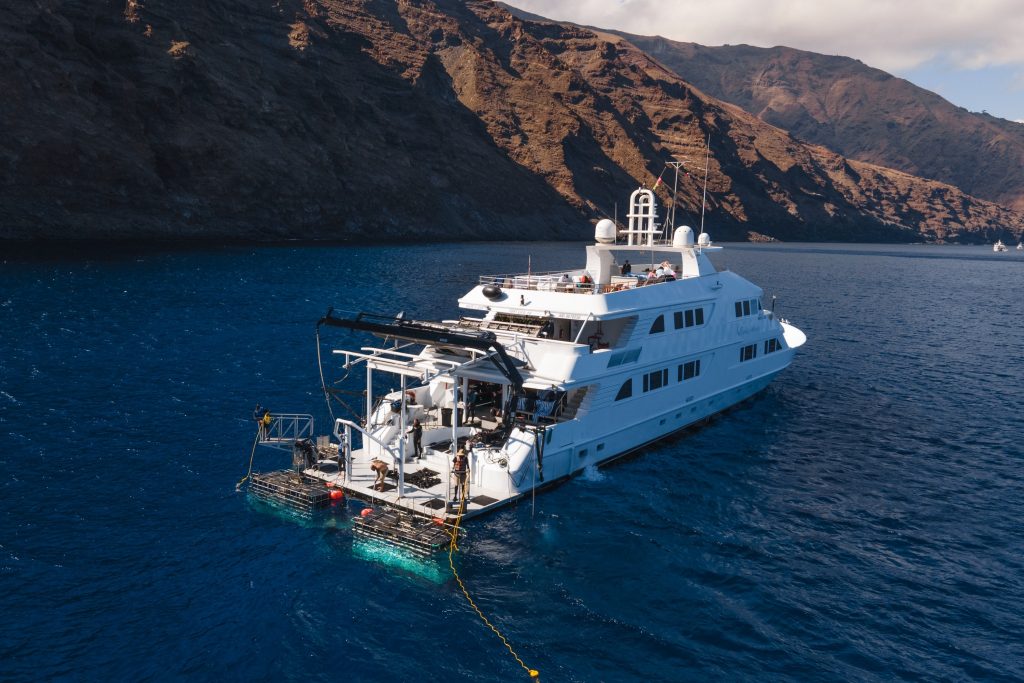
642, 213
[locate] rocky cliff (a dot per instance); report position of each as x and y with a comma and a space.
385, 119
860, 112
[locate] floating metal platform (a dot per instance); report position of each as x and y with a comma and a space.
286, 487
410, 531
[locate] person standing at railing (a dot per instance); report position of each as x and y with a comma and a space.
263, 420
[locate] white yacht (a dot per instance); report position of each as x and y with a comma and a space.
550, 373
1020, 246
999, 246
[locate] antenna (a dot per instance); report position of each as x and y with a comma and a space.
677, 164
704, 200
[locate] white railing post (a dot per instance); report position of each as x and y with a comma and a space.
348, 453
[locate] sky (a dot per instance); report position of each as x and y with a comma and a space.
969, 52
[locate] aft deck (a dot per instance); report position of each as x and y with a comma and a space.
427, 491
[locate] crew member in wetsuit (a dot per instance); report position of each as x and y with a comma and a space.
417, 437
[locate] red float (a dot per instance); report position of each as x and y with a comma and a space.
366, 512
336, 494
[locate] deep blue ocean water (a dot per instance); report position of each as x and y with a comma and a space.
860, 520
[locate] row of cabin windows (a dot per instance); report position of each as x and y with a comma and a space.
655, 380
659, 378
749, 352
691, 317
748, 307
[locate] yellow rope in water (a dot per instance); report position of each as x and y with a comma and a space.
534, 674
238, 486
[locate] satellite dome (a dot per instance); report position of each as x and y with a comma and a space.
604, 231
704, 240
683, 236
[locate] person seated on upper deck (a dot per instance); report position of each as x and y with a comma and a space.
626, 268
564, 282
651, 275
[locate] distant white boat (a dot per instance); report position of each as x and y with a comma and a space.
999, 246
1020, 246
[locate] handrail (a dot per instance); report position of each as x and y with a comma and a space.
286, 428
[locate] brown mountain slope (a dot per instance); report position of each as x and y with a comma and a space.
373, 119
858, 111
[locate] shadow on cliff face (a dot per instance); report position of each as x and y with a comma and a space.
204, 121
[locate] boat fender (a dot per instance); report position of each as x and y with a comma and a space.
336, 494
493, 292
366, 512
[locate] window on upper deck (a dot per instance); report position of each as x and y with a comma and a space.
658, 325
748, 352
691, 317
748, 307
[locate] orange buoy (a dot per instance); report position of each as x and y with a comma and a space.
336, 494
366, 512
330, 484
438, 521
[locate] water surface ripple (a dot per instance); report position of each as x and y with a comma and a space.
859, 520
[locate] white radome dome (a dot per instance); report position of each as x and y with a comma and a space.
604, 231
704, 240
683, 236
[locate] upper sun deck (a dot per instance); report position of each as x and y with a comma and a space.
629, 269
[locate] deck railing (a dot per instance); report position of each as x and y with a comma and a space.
552, 282
285, 430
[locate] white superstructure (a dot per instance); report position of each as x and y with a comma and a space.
550, 373
999, 246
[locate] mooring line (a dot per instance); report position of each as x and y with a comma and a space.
238, 486
452, 547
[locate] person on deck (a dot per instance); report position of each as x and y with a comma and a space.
263, 420
380, 468
417, 438
626, 269
460, 475
471, 399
